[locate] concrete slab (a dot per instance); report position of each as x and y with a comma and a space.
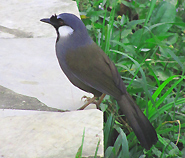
49, 134
21, 19
30, 67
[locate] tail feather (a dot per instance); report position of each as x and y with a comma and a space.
140, 124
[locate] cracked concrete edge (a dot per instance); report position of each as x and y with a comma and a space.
12, 100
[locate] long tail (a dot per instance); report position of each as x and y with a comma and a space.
141, 126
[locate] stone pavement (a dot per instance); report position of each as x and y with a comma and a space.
50, 135
31, 83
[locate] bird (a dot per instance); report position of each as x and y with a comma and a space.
87, 67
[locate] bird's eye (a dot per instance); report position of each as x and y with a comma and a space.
61, 22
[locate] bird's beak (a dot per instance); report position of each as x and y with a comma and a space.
53, 21
46, 21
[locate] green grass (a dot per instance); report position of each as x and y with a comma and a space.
80, 149
150, 56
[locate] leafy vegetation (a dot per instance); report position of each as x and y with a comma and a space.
149, 53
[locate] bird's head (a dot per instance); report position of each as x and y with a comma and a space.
66, 24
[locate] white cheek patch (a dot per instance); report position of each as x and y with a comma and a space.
65, 31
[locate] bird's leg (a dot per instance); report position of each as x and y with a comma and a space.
100, 100
92, 100
89, 101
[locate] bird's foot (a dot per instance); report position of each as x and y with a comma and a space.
88, 101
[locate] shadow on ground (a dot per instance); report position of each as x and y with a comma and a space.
11, 100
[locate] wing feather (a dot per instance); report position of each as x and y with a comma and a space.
93, 67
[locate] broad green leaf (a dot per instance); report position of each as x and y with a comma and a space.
165, 12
